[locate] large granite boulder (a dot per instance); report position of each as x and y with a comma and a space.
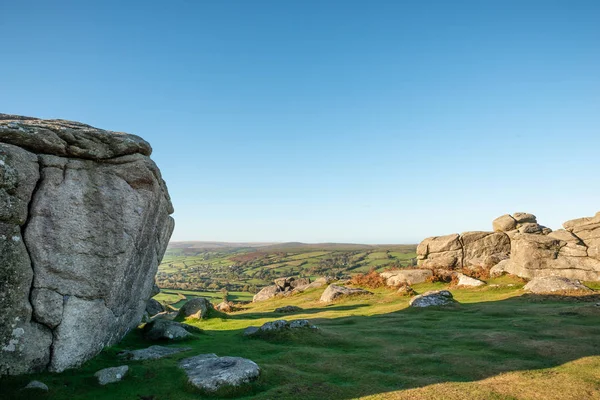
469, 249
520, 246
84, 223
545, 255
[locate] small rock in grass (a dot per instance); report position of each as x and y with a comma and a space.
406, 290
464, 280
334, 291
210, 373
160, 329
151, 353
37, 385
287, 309
278, 326
549, 284
111, 375
433, 298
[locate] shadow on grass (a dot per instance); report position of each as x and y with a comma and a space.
353, 356
277, 315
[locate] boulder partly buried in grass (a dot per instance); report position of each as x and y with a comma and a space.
433, 298
162, 329
211, 373
551, 284
334, 292
151, 353
287, 309
111, 375
37, 385
279, 325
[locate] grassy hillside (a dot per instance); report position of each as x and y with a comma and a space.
246, 267
498, 343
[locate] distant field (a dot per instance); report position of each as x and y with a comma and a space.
244, 268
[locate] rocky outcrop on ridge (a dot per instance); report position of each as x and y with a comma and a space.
84, 222
522, 247
281, 287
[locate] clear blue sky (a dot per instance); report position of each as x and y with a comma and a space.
348, 121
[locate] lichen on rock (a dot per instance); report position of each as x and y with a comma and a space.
84, 222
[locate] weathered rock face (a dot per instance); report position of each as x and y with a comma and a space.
84, 223
470, 249
520, 246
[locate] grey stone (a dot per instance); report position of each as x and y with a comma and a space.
251, 330
552, 284
504, 223
400, 277
405, 290
153, 307
279, 326
47, 307
464, 280
211, 373
433, 298
155, 290
37, 385
163, 329
111, 375
224, 306
152, 353
266, 293
68, 138
530, 227
94, 213
334, 292
198, 308
288, 309
523, 218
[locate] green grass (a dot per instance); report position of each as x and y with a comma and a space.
498, 343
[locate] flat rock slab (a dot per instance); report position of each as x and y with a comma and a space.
152, 353
552, 284
279, 326
464, 280
288, 309
433, 298
334, 292
210, 373
111, 375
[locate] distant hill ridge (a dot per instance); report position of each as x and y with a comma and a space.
285, 246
